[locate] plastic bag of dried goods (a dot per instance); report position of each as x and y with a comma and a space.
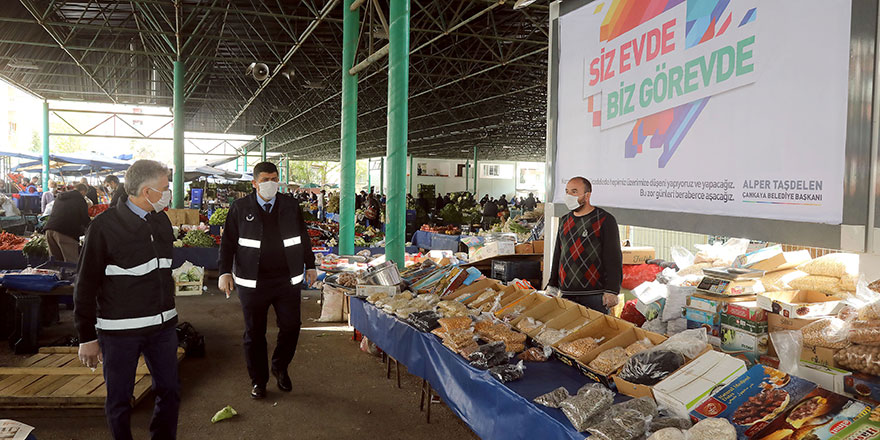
650, 367
712, 429
861, 358
668, 434
826, 332
676, 326
659, 423
621, 424
638, 347
535, 354
690, 343
656, 326
676, 301
579, 347
550, 336
553, 398
832, 265
489, 355
781, 279
818, 283
508, 372
591, 401
331, 308
609, 360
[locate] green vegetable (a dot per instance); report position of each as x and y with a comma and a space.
218, 217
36, 247
178, 243
183, 277
226, 413
194, 274
197, 238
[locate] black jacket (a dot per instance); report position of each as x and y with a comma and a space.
92, 195
124, 283
240, 243
117, 195
70, 214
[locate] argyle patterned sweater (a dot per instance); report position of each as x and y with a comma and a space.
587, 255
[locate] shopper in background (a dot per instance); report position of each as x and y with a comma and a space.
321, 203
529, 204
48, 196
490, 214
502, 203
114, 188
92, 193
587, 256
68, 221
265, 253
372, 211
124, 301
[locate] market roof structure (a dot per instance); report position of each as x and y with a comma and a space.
478, 68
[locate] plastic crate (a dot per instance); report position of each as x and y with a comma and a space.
508, 270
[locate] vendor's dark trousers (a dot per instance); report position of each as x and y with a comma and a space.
589, 301
286, 300
121, 353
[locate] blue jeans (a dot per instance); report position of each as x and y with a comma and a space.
121, 353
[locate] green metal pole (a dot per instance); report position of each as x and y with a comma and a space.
45, 182
412, 172
369, 173
244, 161
263, 146
398, 94
236, 163
179, 70
467, 166
287, 170
382, 175
476, 173
348, 138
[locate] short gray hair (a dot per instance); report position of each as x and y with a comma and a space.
141, 173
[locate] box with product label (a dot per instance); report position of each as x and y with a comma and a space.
820, 415
533, 320
744, 324
720, 286
745, 310
712, 331
712, 303
800, 303
831, 379
820, 355
604, 330
574, 318
692, 384
491, 250
702, 319
738, 342
754, 399
864, 387
486, 302
777, 322
862, 429
637, 254
367, 290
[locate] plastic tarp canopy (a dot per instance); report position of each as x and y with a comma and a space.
69, 163
193, 173
490, 408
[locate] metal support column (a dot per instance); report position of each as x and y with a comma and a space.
467, 168
263, 146
382, 175
398, 93
177, 181
348, 138
369, 174
411, 173
476, 173
45, 182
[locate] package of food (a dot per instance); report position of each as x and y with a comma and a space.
579, 347
712, 429
550, 336
638, 347
650, 367
620, 424
659, 423
456, 323
528, 324
424, 321
508, 372
864, 332
818, 283
668, 434
832, 265
489, 355
553, 398
376, 297
689, 343
863, 358
535, 354
848, 283
781, 279
609, 360
451, 309
828, 333
591, 401
459, 337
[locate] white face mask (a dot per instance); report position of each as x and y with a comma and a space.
163, 201
571, 202
268, 189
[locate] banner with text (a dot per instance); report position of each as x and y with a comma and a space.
706, 106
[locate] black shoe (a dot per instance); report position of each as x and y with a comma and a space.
258, 392
284, 383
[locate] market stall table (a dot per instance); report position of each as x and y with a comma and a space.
490, 408
434, 241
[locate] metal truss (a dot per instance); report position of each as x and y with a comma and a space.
477, 68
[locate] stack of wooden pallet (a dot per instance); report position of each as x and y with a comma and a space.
55, 378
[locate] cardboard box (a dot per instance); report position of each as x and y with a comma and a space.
465, 293
737, 342
538, 246
712, 303
800, 303
744, 324
861, 429
776, 322
730, 288
692, 384
525, 303
524, 248
491, 250
543, 313
725, 403
772, 259
712, 331
627, 338
745, 310
832, 414
183, 216
637, 255
607, 328
365, 290
574, 318
820, 355
831, 379
864, 387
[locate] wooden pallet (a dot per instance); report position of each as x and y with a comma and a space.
55, 378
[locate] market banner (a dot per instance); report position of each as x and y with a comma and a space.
710, 107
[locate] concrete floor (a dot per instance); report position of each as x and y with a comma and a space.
339, 392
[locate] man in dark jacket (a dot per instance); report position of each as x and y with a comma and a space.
115, 190
91, 192
490, 214
265, 253
68, 221
124, 301
529, 203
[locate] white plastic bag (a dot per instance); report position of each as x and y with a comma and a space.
682, 257
788, 345
331, 309
676, 301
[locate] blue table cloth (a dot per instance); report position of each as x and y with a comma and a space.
373, 250
490, 408
434, 241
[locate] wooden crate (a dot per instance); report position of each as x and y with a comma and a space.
179, 284
55, 378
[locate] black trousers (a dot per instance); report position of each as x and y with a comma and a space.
121, 355
286, 299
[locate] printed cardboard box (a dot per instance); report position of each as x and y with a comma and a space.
744, 324
692, 384
719, 286
800, 303
607, 328
777, 322
637, 255
754, 399
819, 416
543, 313
831, 379
701, 319
820, 355
862, 429
864, 387
712, 303
739, 342
712, 331
746, 310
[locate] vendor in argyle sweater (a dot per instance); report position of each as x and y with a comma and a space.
587, 256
